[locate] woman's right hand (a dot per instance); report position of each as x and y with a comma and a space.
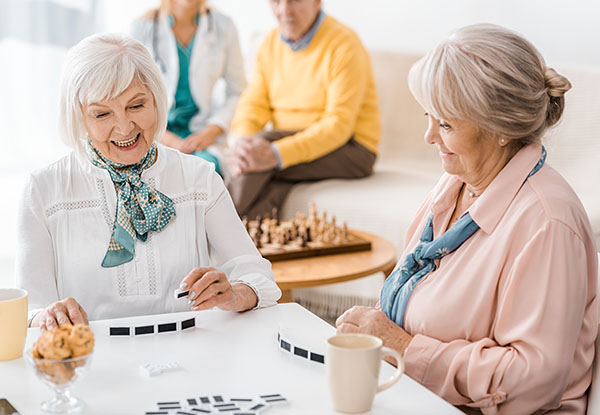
60, 312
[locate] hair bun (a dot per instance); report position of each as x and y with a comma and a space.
557, 84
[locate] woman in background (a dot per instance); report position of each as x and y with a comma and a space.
194, 47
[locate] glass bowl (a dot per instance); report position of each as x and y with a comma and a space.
59, 375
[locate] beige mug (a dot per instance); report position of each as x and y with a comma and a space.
353, 362
13, 322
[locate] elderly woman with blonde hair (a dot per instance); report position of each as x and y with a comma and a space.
494, 305
115, 227
194, 47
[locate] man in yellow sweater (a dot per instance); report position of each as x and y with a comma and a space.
313, 82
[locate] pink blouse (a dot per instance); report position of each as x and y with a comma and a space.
507, 322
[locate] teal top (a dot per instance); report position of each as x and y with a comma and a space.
185, 108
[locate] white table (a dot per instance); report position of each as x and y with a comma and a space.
229, 354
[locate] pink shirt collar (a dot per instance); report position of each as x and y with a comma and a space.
489, 208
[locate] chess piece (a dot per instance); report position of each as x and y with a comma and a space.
245, 222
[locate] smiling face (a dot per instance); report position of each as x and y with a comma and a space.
465, 151
123, 128
295, 17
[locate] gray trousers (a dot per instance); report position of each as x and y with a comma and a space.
258, 193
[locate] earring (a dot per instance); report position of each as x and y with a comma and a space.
502, 141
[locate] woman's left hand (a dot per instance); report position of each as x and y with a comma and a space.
370, 320
200, 140
210, 288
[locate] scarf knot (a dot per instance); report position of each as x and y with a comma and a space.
140, 208
401, 283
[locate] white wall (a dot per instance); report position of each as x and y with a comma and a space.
565, 32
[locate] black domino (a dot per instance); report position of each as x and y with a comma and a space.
158, 413
162, 328
277, 395
186, 324
182, 294
301, 352
218, 398
204, 399
221, 405
168, 403
257, 407
120, 331
240, 400
204, 411
192, 402
275, 399
286, 346
184, 413
144, 330
316, 357
235, 408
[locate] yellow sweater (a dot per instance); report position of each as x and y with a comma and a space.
326, 92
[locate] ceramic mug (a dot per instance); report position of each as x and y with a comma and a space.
13, 322
353, 362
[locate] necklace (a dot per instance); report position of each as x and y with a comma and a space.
471, 193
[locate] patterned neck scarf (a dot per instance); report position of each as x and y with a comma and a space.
140, 208
401, 283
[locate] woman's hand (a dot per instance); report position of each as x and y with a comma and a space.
199, 141
60, 312
209, 288
172, 140
369, 320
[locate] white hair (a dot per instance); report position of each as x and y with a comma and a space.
100, 68
493, 77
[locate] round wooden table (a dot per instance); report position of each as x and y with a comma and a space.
329, 269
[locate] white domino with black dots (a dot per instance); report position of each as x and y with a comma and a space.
124, 331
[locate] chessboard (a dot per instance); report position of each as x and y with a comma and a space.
302, 237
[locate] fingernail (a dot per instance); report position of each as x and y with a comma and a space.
190, 301
192, 295
183, 285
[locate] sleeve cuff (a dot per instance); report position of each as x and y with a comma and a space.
418, 354
267, 292
278, 155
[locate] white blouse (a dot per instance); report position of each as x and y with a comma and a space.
66, 219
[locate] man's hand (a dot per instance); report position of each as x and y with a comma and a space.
252, 154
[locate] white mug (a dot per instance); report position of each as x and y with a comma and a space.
353, 362
13, 322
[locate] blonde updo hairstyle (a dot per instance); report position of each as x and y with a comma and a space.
100, 68
493, 77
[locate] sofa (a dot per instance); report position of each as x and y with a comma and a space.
407, 168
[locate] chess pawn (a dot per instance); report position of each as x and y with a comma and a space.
333, 221
313, 210
324, 217
275, 213
345, 231
245, 222
308, 238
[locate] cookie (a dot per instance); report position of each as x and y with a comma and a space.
81, 340
54, 344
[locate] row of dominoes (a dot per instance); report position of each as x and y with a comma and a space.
288, 346
217, 405
152, 328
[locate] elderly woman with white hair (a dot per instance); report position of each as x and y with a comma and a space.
115, 227
494, 305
